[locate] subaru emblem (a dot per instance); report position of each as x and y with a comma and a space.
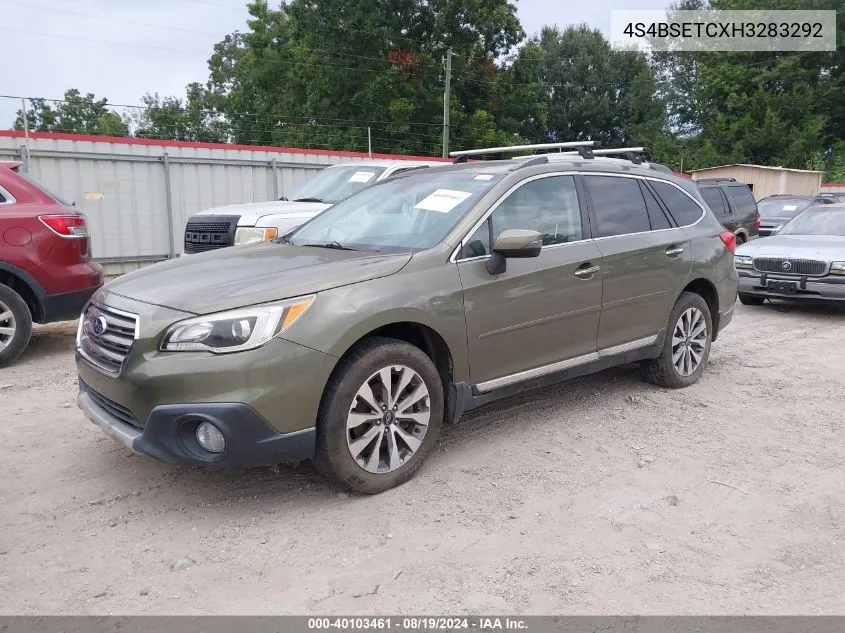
99, 325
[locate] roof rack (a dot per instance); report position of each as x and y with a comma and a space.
461, 156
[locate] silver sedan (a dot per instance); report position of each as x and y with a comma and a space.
804, 260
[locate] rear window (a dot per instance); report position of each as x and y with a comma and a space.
683, 209
714, 200
742, 200
618, 205
782, 207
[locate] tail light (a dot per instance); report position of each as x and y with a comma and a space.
69, 226
757, 222
729, 240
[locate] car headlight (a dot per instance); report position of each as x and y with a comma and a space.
235, 330
837, 268
252, 235
743, 261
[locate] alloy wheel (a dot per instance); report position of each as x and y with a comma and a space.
689, 340
7, 326
388, 419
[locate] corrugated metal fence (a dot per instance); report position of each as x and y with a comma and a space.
138, 193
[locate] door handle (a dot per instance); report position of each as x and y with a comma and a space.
586, 273
674, 251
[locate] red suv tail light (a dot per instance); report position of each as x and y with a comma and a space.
729, 240
757, 222
66, 225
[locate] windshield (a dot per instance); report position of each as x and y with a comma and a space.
782, 207
817, 221
336, 183
413, 213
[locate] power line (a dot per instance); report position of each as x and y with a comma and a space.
96, 41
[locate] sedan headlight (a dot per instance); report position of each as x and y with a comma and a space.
253, 235
235, 330
837, 268
743, 261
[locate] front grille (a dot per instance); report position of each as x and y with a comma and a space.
205, 233
117, 411
106, 336
787, 266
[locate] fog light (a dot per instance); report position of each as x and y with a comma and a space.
210, 438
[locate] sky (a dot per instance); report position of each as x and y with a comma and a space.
121, 49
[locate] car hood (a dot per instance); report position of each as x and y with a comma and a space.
240, 276
826, 247
251, 212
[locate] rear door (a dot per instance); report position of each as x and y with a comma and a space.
542, 310
744, 208
645, 260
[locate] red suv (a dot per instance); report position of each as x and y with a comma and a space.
46, 272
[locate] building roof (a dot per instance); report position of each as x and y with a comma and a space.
800, 171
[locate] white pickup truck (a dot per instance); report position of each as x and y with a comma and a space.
251, 222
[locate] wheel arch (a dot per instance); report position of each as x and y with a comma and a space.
707, 291
26, 286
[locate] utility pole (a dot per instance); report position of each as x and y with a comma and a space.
25, 137
446, 92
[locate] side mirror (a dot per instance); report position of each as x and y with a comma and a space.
513, 243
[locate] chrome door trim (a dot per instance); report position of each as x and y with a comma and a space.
528, 374
8, 198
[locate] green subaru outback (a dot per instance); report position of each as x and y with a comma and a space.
354, 338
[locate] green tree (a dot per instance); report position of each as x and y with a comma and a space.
76, 114
195, 119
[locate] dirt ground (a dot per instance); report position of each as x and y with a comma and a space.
601, 496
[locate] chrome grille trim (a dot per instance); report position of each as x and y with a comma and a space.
107, 351
790, 266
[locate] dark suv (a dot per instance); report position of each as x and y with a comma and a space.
732, 202
353, 338
46, 272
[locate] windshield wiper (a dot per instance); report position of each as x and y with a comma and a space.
310, 200
284, 239
333, 244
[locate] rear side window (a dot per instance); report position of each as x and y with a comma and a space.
683, 208
714, 200
655, 213
618, 205
742, 200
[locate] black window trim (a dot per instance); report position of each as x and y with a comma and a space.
659, 199
644, 184
458, 254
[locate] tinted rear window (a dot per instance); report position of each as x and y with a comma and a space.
618, 205
782, 207
742, 200
683, 208
714, 200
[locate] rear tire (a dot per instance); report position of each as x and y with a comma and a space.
687, 345
740, 239
751, 300
15, 325
380, 416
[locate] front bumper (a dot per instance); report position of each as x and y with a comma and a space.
829, 288
170, 433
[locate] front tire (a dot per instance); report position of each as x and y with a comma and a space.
15, 325
380, 416
687, 345
751, 300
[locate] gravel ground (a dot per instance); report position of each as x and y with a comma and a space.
602, 496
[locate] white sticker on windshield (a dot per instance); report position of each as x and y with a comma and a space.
790, 207
443, 200
484, 177
362, 176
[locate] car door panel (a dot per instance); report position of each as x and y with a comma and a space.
536, 313
541, 310
643, 269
